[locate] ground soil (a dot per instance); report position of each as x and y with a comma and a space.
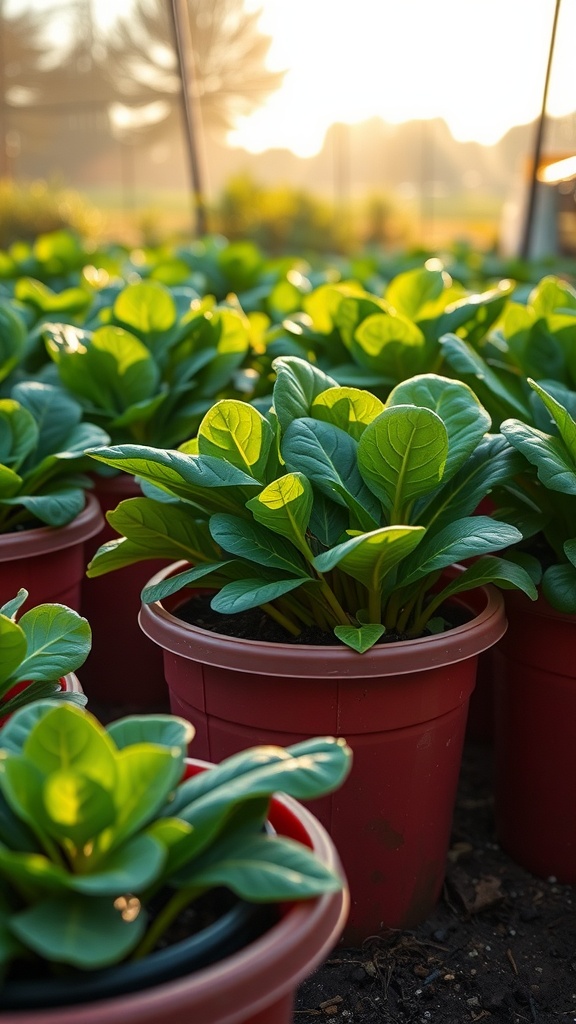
501, 945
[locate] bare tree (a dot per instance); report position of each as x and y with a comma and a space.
228, 59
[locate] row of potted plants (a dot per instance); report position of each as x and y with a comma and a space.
340, 515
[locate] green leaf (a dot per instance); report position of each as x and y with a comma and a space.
21, 783
57, 508
115, 554
10, 608
147, 306
328, 520
37, 294
348, 408
12, 339
25, 870
263, 869
84, 931
402, 456
238, 434
465, 419
555, 465
146, 775
303, 770
177, 582
327, 456
10, 483
559, 587
233, 343
352, 310
493, 462
65, 737
474, 314
164, 531
360, 639
55, 415
131, 868
297, 384
37, 691
167, 730
502, 388
456, 542
371, 556
16, 731
111, 370
12, 649
242, 595
76, 807
285, 507
566, 425
490, 569
205, 481
410, 291
551, 293
390, 345
250, 541
570, 550
18, 434
58, 641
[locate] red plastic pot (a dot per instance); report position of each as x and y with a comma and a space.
49, 561
256, 985
535, 738
402, 708
481, 711
123, 667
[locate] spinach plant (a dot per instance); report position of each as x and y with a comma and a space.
147, 367
94, 822
36, 650
543, 496
377, 340
533, 339
42, 460
335, 509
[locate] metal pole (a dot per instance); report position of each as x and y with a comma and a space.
185, 71
529, 220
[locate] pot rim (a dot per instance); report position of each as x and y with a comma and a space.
41, 540
261, 657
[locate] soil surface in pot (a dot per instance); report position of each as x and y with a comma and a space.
500, 946
255, 624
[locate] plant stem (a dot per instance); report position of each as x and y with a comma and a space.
374, 605
423, 616
406, 612
335, 606
180, 900
281, 619
393, 609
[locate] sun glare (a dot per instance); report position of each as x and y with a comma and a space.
479, 64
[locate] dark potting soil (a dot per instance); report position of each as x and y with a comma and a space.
500, 946
255, 624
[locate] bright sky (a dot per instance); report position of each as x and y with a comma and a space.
479, 64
